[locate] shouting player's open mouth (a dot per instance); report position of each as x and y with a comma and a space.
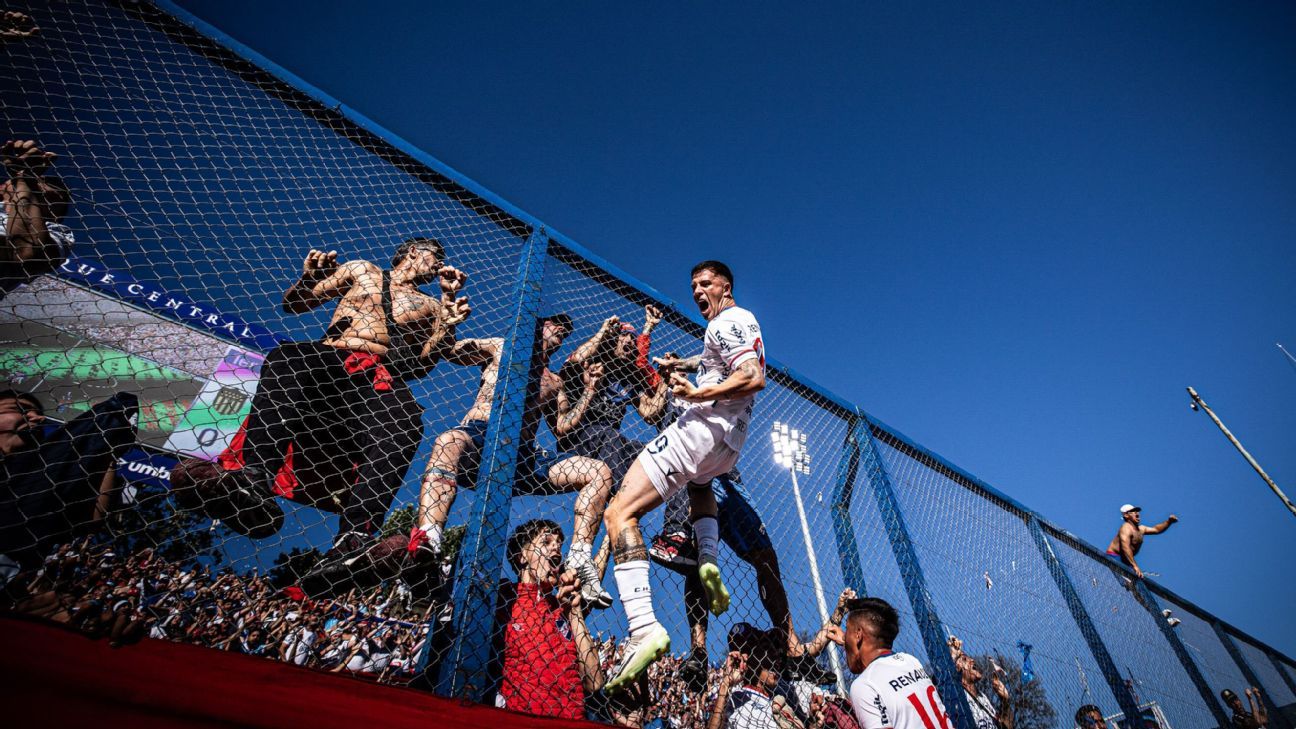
704, 305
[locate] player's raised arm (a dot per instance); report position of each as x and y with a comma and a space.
569, 595
651, 403
321, 280
27, 239
568, 414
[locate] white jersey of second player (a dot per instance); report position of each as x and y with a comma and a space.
895, 692
732, 338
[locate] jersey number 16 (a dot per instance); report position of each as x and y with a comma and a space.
937, 710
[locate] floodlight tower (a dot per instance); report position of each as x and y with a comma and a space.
791, 452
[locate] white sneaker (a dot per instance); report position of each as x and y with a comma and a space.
641, 651
592, 592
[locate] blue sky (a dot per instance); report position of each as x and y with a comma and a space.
1014, 232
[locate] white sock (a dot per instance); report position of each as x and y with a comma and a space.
433, 532
707, 531
580, 553
636, 595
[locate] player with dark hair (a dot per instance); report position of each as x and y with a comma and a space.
701, 444
743, 530
550, 663
893, 690
456, 455
341, 407
32, 241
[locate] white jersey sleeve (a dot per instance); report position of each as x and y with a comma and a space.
894, 692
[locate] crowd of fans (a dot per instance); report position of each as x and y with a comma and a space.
124, 598
65, 477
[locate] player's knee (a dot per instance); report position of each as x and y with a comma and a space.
615, 516
600, 473
450, 440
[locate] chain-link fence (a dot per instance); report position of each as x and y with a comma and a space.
369, 463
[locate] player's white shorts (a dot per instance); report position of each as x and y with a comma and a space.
690, 450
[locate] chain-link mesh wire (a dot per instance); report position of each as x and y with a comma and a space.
882, 574
994, 593
197, 187
1147, 664
1289, 669
151, 500
1270, 680
768, 535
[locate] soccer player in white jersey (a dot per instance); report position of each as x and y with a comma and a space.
893, 690
701, 444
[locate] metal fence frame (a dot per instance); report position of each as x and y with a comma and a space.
859, 466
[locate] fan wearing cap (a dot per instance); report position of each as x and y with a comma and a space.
1256, 718
1129, 538
616, 358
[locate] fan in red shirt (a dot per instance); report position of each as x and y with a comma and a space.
550, 662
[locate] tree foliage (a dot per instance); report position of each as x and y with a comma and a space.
402, 520
174, 534
290, 566
1031, 706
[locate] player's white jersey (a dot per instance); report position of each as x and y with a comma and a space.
732, 338
894, 692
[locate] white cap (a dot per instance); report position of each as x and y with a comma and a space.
1130, 507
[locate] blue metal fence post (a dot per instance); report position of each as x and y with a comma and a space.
1149, 601
843, 528
944, 674
1124, 697
481, 555
1282, 672
1276, 717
